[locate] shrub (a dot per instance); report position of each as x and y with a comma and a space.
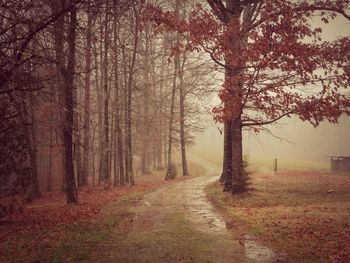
242, 183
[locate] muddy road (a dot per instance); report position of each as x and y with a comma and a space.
177, 223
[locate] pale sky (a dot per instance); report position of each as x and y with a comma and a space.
306, 142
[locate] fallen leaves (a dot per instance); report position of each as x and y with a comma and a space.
296, 214
47, 221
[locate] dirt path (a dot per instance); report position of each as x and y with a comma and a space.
177, 224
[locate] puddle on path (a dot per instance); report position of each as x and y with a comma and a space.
189, 197
205, 216
259, 253
199, 209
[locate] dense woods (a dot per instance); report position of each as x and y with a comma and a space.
91, 94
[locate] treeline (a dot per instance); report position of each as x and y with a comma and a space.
91, 94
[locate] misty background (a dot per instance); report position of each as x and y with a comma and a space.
290, 139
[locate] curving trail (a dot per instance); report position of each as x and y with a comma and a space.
177, 223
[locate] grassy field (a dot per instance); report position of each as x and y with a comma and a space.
264, 164
305, 214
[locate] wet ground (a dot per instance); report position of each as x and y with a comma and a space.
177, 223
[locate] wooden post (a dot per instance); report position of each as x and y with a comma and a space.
275, 165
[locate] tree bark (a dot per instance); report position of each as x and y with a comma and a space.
161, 145
86, 155
226, 176
71, 190
238, 44
17, 98
49, 176
100, 101
77, 139
237, 159
182, 117
171, 120
59, 34
33, 190
125, 177
172, 102
105, 174
119, 137
145, 157
130, 172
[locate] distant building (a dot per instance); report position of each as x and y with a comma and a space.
340, 163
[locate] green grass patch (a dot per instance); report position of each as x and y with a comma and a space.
113, 238
84, 238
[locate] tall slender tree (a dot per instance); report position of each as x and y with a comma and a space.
71, 189
87, 140
169, 173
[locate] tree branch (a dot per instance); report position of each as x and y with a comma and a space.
32, 34
299, 9
252, 123
219, 10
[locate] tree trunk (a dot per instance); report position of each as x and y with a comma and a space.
125, 177
105, 174
130, 173
161, 145
119, 171
86, 156
227, 163
49, 176
58, 33
34, 189
71, 190
237, 159
182, 118
170, 135
76, 138
239, 179
99, 92
145, 157
237, 44
169, 174
129, 157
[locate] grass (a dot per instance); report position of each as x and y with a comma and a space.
112, 239
263, 164
303, 213
174, 241
50, 231
85, 237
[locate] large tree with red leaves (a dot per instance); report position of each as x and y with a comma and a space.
276, 65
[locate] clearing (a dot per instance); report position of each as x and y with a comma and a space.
305, 214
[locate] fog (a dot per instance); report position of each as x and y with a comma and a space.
291, 138
297, 140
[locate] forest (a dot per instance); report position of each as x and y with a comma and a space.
101, 99
87, 90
